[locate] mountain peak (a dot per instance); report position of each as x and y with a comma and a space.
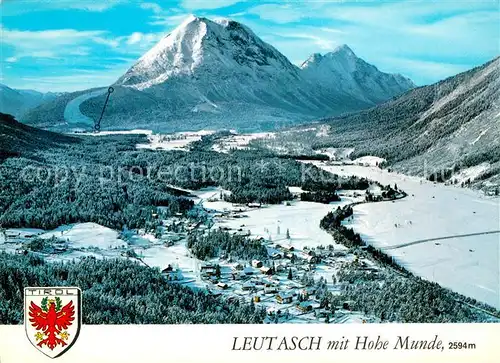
219, 73
344, 50
207, 48
341, 52
342, 70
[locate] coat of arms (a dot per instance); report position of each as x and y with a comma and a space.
52, 318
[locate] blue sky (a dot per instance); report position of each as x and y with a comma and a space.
67, 45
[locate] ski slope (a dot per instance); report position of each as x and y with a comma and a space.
72, 113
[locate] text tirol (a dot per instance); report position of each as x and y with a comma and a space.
33, 291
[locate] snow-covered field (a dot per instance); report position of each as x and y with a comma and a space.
368, 160
153, 252
301, 219
336, 153
178, 141
119, 132
467, 264
87, 235
239, 141
178, 257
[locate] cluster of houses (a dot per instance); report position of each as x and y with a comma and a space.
264, 283
310, 257
268, 281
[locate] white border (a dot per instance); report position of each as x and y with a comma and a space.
213, 343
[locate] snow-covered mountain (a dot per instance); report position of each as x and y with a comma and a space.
219, 74
16, 102
341, 71
209, 49
451, 128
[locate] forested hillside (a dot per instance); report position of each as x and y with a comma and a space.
18, 139
117, 292
108, 181
448, 131
453, 124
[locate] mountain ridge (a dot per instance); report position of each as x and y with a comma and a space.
18, 139
436, 131
219, 74
18, 101
342, 70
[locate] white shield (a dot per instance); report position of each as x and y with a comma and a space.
52, 318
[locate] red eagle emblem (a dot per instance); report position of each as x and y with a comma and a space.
51, 321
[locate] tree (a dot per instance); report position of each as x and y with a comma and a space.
290, 276
217, 271
287, 233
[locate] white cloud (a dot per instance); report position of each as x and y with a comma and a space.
322, 43
11, 60
110, 42
280, 14
79, 80
43, 54
208, 4
134, 38
87, 5
332, 30
155, 8
81, 51
169, 20
145, 40
48, 38
53, 43
432, 69
13, 8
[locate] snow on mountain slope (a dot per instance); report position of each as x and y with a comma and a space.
206, 61
200, 45
342, 71
218, 74
434, 131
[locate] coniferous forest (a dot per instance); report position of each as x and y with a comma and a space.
219, 243
107, 180
117, 291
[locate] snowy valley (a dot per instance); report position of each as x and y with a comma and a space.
230, 185
303, 262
